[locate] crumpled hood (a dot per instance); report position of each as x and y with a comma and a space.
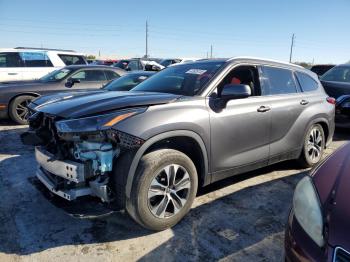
100, 102
336, 89
332, 182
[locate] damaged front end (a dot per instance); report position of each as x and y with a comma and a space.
76, 157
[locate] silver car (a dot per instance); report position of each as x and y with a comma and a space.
148, 150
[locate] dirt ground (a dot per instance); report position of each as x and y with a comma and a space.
238, 219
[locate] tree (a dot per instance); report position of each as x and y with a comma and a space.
91, 57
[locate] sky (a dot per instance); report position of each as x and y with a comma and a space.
182, 28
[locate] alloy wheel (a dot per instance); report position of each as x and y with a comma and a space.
22, 110
169, 191
314, 145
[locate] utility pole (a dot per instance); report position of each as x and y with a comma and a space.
211, 51
291, 49
146, 55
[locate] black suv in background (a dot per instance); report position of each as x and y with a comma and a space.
148, 150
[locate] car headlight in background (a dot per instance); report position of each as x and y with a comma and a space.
95, 123
307, 210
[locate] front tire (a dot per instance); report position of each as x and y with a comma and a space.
18, 110
313, 148
165, 185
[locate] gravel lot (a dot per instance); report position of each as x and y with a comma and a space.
238, 219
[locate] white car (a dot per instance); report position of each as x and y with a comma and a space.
21, 63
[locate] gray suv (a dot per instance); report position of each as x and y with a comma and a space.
148, 150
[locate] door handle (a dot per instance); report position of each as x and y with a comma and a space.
263, 109
304, 102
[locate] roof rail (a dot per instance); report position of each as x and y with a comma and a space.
47, 49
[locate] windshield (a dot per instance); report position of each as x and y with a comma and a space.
187, 79
337, 74
165, 62
126, 82
56, 75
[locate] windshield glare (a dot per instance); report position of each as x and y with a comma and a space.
337, 74
187, 79
56, 75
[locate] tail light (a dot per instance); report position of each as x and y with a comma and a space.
331, 100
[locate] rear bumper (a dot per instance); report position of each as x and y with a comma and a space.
3, 114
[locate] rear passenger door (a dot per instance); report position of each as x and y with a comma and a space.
37, 64
287, 104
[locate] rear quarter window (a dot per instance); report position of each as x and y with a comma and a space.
111, 75
72, 59
280, 81
35, 59
307, 83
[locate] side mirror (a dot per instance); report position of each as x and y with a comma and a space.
235, 91
70, 82
150, 67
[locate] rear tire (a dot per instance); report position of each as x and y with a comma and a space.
313, 147
18, 111
164, 187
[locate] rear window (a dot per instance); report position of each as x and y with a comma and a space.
72, 59
280, 81
306, 82
10, 59
35, 59
111, 74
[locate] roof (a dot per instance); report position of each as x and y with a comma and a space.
31, 49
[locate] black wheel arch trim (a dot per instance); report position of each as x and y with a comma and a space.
159, 137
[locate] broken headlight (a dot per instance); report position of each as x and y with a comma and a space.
95, 123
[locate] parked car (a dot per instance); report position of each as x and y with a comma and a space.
321, 69
168, 62
342, 111
130, 64
319, 222
106, 62
123, 83
15, 97
136, 64
24, 63
336, 81
149, 149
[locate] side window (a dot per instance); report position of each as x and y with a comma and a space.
111, 75
72, 59
11, 59
246, 75
90, 75
280, 81
133, 65
35, 59
307, 83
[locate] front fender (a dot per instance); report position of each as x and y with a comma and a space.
155, 139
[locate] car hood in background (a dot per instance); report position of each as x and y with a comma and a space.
56, 97
101, 102
336, 89
332, 181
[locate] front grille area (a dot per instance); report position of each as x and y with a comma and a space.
341, 255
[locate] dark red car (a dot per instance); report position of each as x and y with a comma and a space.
319, 222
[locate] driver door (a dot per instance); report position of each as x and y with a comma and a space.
89, 79
240, 131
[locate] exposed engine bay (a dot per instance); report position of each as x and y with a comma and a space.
77, 163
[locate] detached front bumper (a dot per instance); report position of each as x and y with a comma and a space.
68, 179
